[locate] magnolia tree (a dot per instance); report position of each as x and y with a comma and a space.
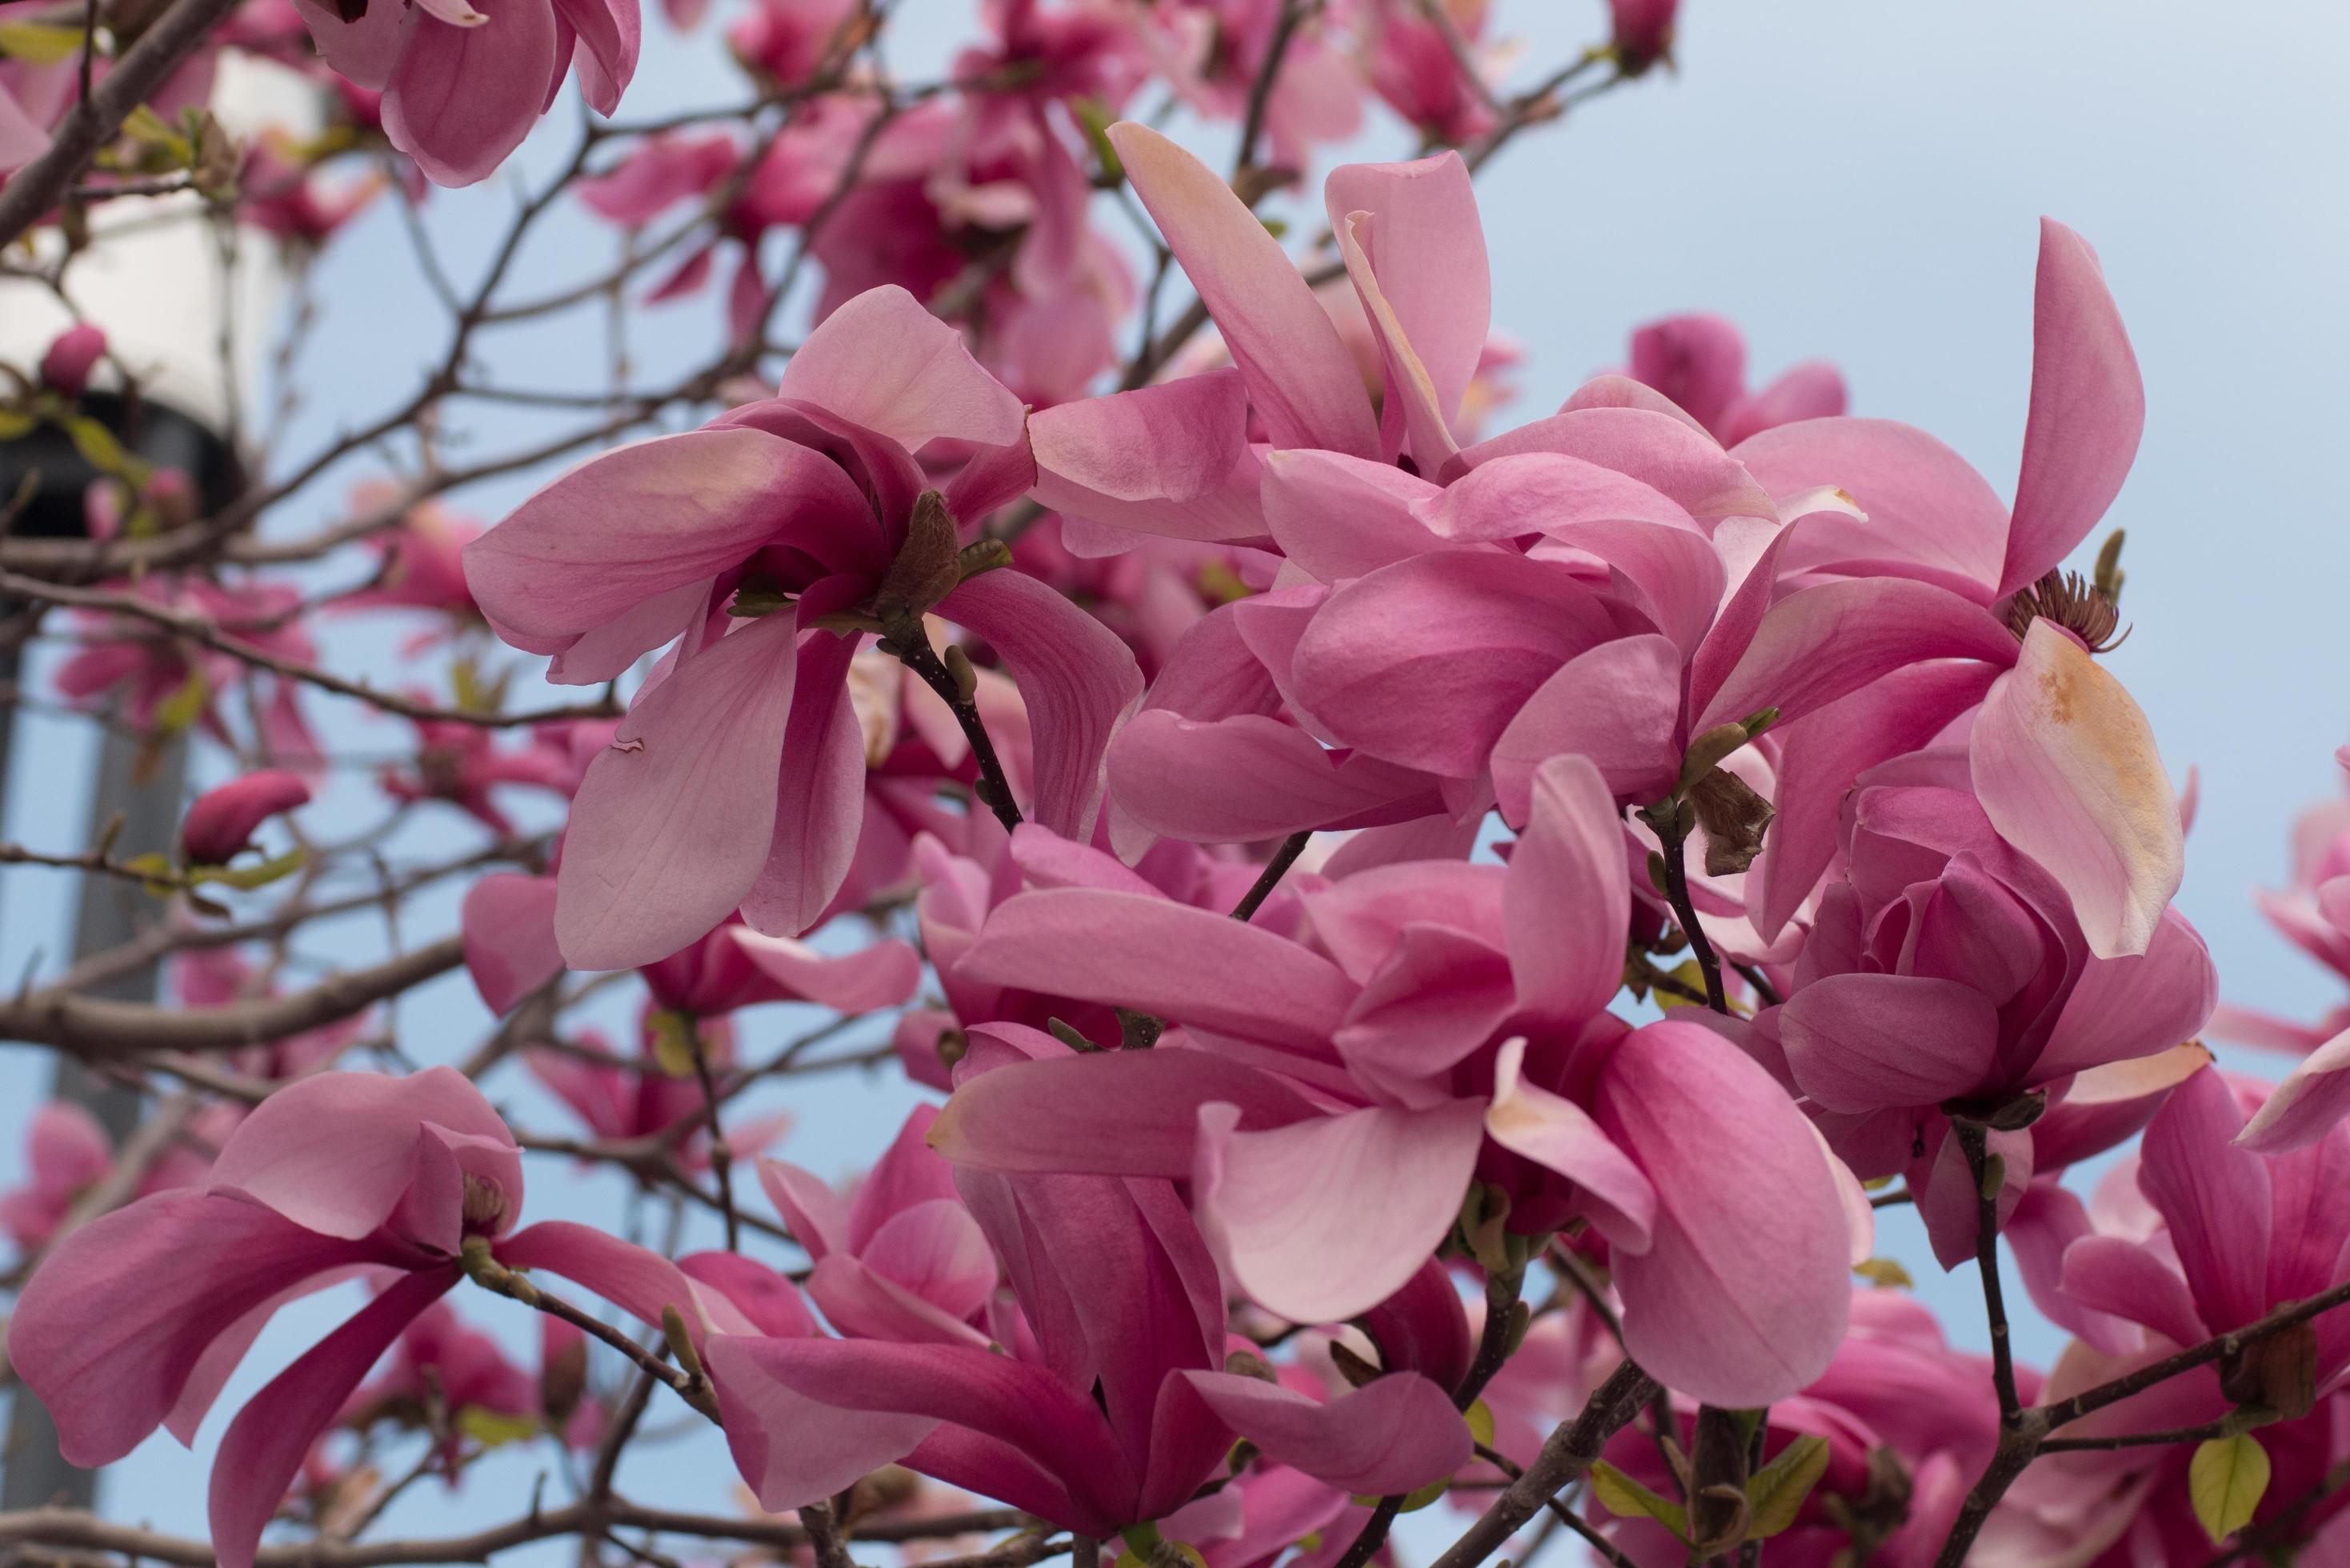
1422, 944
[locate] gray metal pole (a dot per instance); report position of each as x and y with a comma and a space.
110, 912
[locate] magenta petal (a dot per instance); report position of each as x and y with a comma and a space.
1423, 1327
1158, 460
1922, 501
461, 99
883, 363
1618, 706
811, 1210
2088, 407
1301, 379
861, 1303
1820, 643
819, 796
636, 1279
675, 819
1248, 777
2309, 1104
1336, 516
2108, 1274
610, 33
1395, 1434
336, 1153
1860, 1042
2215, 1197
767, 1301
792, 1448
1427, 257
2066, 768
1425, 663
647, 519
262, 1448
1044, 1115
1559, 1135
1566, 882
107, 1352
508, 921
1741, 1296
880, 975
1662, 450
1287, 1206
1187, 964
2124, 1008
1077, 679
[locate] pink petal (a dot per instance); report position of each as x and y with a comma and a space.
1425, 663
768, 1301
812, 1211
1045, 1116
1812, 391
1559, 1135
1658, 449
2124, 1008
1923, 502
2088, 407
262, 1448
1698, 360
2108, 1274
1428, 255
883, 363
1301, 379
792, 1448
107, 1352
1395, 1434
1742, 1294
337, 1153
1336, 516
1077, 679
508, 921
879, 975
1170, 959
220, 825
819, 796
1860, 1042
1286, 1207
1820, 643
1566, 886
2214, 1196
461, 99
2066, 768
1159, 460
636, 1279
611, 32
2309, 1104
1237, 780
674, 821
647, 519
1618, 705
66, 1149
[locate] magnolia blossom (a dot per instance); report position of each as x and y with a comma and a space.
327, 1178
735, 780
220, 825
462, 87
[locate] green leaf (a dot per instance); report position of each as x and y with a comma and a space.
1775, 1493
493, 1429
1883, 1273
102, 452
1692, 978
1479, 1418
1622, 1496
183, 707
250, 877
674, 1042
40, 44
16, 422
2225, 1482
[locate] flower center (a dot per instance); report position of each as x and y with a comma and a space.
2073, 602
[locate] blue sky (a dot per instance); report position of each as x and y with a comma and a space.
1844, 177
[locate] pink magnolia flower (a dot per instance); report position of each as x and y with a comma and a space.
441, 1359
220, 825
462, 763
1700, 362
462, 87
71, 356
284, 195
66, 1151
1642, 32
421, 566
1211, 52
787, 40
167, 685
1944, 967
736, 780
626, 1098
1101, 1403
658, 173
1411, 65
330, 1176
220, 976
1909, 1423
1456, 1028
898, 1258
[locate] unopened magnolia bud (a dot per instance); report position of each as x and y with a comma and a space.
681, 1344
966, 678
1706, 753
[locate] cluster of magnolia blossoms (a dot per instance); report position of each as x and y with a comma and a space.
1287, 779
